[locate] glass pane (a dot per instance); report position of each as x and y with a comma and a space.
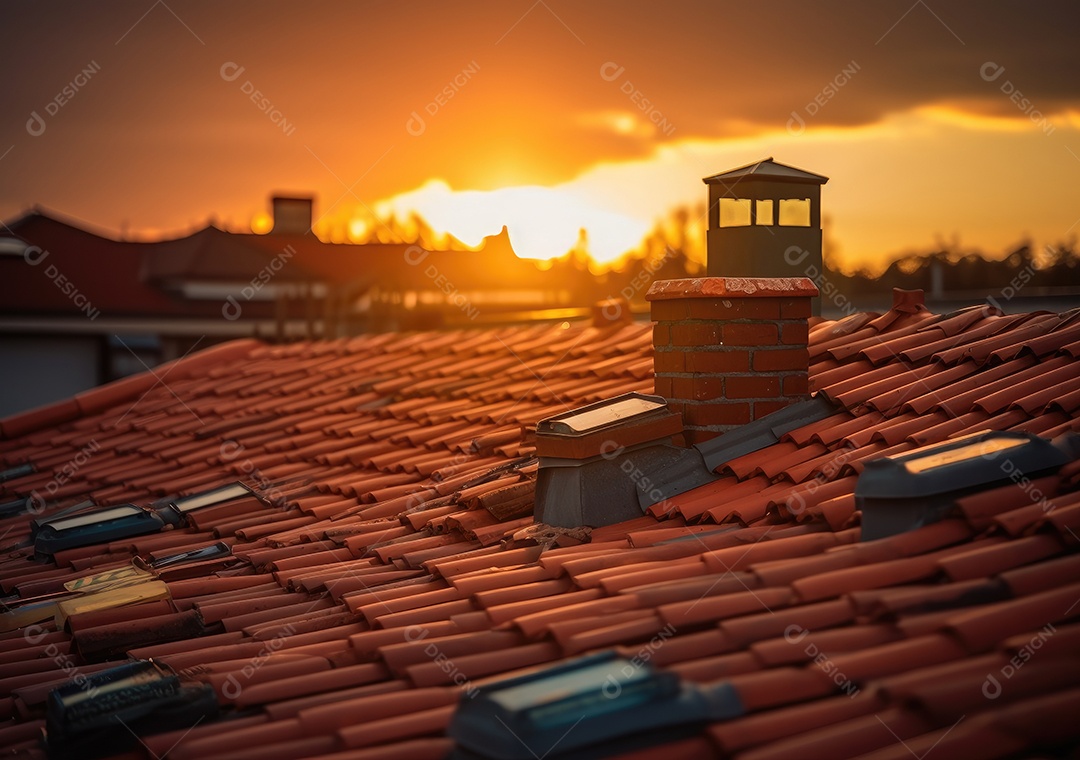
971, 451
764, 212
734, 212
605, 415
93, 518
795, 212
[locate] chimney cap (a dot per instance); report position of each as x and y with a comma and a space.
766, 170
731, 287
287, 196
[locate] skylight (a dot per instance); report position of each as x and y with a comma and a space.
210, 498
93, 518
73, 529
609, 412
606, 701
954, 456
908, 491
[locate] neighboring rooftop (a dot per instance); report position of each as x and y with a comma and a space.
191, 276
392, 564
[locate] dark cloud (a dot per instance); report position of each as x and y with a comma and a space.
169, 139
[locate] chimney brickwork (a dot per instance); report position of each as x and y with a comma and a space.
292, 214
729, 350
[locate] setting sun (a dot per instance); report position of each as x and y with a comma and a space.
261, 223
543, 222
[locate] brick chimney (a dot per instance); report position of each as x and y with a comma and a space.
292, 214
730, 350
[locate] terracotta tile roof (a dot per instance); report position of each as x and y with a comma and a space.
392, 563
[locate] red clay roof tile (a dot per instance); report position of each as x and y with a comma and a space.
981, 628
428, 414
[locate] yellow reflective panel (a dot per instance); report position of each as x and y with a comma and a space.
971, 451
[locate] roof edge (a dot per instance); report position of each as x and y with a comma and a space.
38, 418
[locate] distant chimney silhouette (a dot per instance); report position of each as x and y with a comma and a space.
765, 221
292, 214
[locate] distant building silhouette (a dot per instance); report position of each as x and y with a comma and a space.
80, 308
293, 214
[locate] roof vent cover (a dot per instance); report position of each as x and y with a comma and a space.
902, 493
598, 705
594, 460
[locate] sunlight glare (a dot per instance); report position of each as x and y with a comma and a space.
618, 201
543, 223
358, 229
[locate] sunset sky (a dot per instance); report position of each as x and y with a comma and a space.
934, 120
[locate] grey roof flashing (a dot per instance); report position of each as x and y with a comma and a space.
601, 490
623, 483
763, 432
697, 465
684, 473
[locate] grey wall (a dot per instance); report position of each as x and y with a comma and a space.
43, 369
